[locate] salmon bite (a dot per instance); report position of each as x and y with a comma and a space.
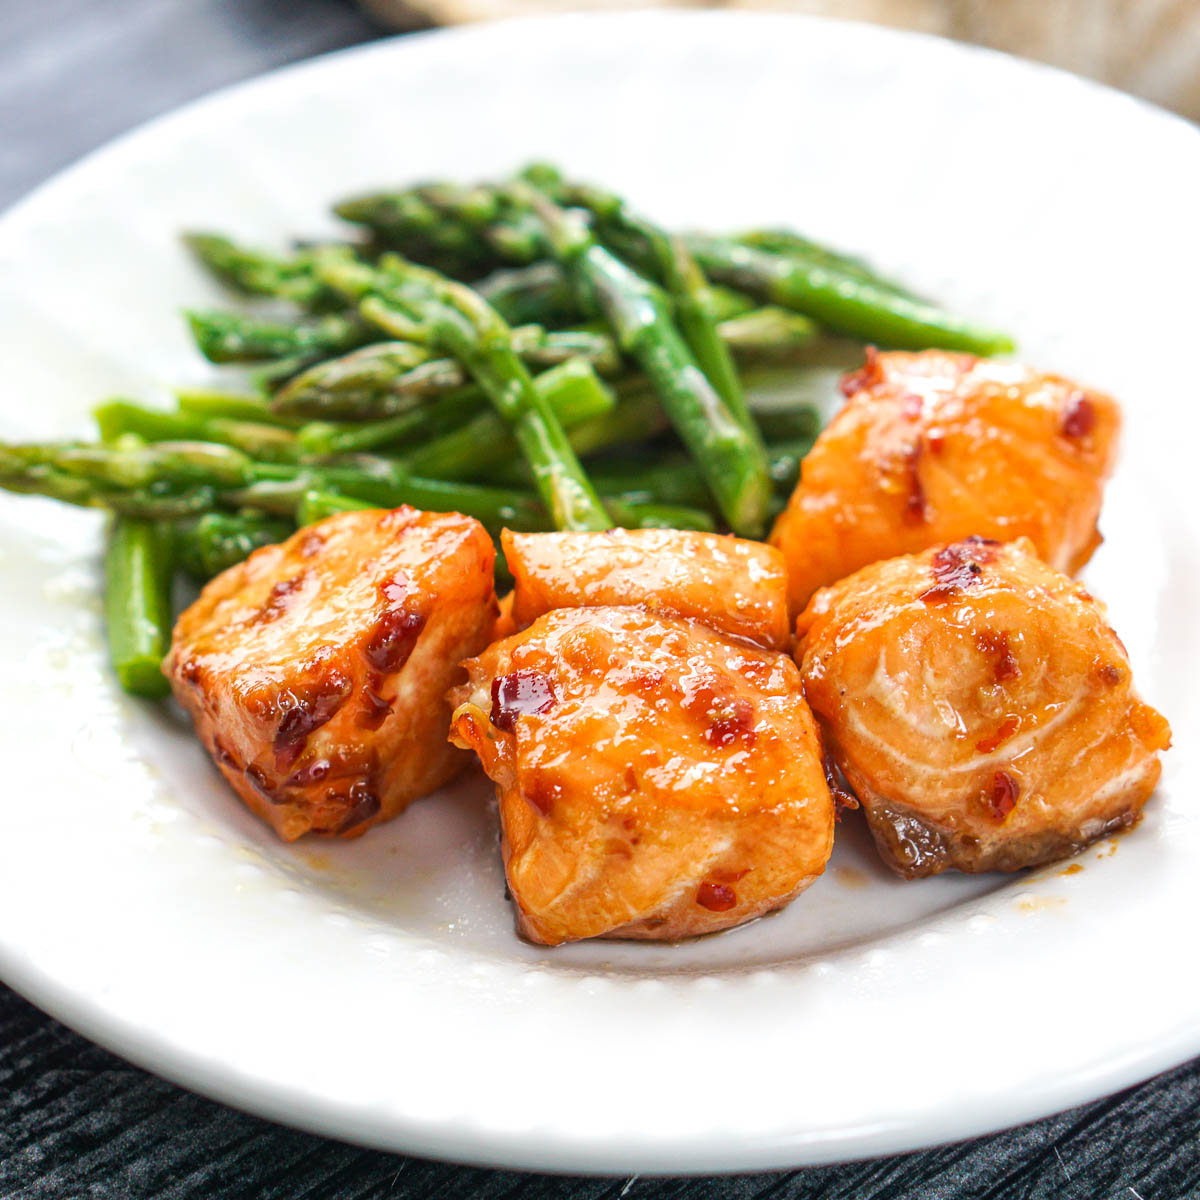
315, 671
980, 707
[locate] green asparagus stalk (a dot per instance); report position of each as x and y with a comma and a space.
218, 541
672, 264
768, 334
535, 295
674, 479
231, 337
733, 462
234, 406
382, 483
255, 273
172, 480
840, 291
326, 439
783, 241
792, 245
574, 394
637, 417
117, 418
653, 514
408, 222
315, 506
535, 345
137, 604
541, 294
461, 231
467, 327
791, 424
386, 379
842, 302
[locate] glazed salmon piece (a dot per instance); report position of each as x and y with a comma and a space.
933, 447
316, 671
980, 707
731, 584
656, 778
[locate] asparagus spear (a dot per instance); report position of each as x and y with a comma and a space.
791, 424
837, 289
574, 395
733, 462
172, 480
234, 406
461, 231
537, 346
382, 380
231, 337
218, 541
388, 378
537, 295
316, 506
255, 273
784, 241
137, 604
670, 261
768, 334
541, 294
653, 514
326, 439
841, 301
674, 479
117, 418
408, 222
466, 326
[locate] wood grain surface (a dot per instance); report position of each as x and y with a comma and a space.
77, 1122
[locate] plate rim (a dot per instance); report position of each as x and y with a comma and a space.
162, 1056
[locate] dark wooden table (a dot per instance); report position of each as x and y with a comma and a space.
74, 1120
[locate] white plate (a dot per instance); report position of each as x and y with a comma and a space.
374, 990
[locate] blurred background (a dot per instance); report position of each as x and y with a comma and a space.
1150, 47
77, 73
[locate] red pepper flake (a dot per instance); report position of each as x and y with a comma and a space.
1004, 731
1003, 798
1109, 674
716, 897
258, 780
279, 599
312, 543
916, 507
518, 694
364, 804
302, 715
731, 722
392, 640
375, 709
1079, 416
842, 799
869, 374
313, 772
935, 439
1006, 667
192, 673
959, 566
